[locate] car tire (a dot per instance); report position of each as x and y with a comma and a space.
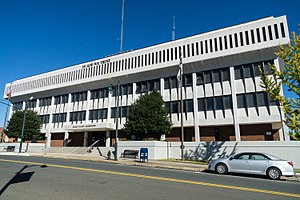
273, 173
221, 168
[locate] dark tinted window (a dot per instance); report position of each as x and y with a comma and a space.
241, 103
251, 99
219, 103
225, 74
201, 104
216, 75
227, 102
210, 103
207, 77
262, 99
238, 72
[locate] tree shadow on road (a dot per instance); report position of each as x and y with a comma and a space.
20, 177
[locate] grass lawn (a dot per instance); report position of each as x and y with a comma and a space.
297, 170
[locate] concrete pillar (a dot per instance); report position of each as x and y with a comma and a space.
66, 138
85, 138
162, 87
234, 106
87, 106
195, 104
107, 141
48, 142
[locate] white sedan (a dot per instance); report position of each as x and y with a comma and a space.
253, 163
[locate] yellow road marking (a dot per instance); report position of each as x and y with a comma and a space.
160, 178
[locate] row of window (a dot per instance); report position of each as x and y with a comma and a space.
215, 103
174, 106
204, 104
77, 116
98, 114
252, 70
216, 44
146, 86
254, 99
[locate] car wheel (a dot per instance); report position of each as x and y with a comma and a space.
221, 168
274, 173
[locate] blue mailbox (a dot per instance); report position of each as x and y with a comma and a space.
144, 154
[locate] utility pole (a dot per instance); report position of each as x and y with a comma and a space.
117, 123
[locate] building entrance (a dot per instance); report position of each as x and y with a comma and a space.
99, 135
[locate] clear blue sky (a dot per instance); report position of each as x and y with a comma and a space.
37, 36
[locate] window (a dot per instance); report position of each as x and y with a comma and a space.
219, 103
282, 30
200, 79
252, 37
262, 99
225, 74
216, 44
225, 40
61, 117
79, 96
45, 102
174, 107
276, 31
241, 102
210, 103
251, 99
221, 44
238, 72
264, 33
258, 157
256, 68
236, 40
230, 41
247, 38
258, 35
242, 156
241, 39
201, 104
77, 116
227, 102
207, 77
248, 71
216, 76
44, 119
189, 107
188, 81
270, 32
98, 114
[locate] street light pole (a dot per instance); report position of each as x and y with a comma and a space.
23, 125
117, 123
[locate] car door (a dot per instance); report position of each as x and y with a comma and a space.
240, 163
258, 163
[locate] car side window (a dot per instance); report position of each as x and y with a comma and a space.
242, 157
258, 157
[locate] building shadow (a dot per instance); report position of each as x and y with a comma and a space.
20, 177
209, 150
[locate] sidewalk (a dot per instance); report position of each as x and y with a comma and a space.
193, 167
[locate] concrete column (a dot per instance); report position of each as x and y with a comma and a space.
109, 107
107, 141
66, 138
87, 106
85, 138
234, 106
283, 132
68, 108
195, 104
162, 87
48, 142
133, 92
10, 111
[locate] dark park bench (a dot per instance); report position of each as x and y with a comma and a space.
129, 153
9, 148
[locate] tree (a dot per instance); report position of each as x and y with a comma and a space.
290, 77
148, 117
31, 129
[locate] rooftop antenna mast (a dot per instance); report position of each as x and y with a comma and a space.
173, 32
122, 28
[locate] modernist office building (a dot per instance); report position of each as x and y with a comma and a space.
223, 100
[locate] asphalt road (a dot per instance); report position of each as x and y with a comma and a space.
32, 178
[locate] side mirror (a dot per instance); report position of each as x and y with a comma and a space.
231, 158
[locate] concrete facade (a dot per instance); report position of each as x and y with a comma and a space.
222, 95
